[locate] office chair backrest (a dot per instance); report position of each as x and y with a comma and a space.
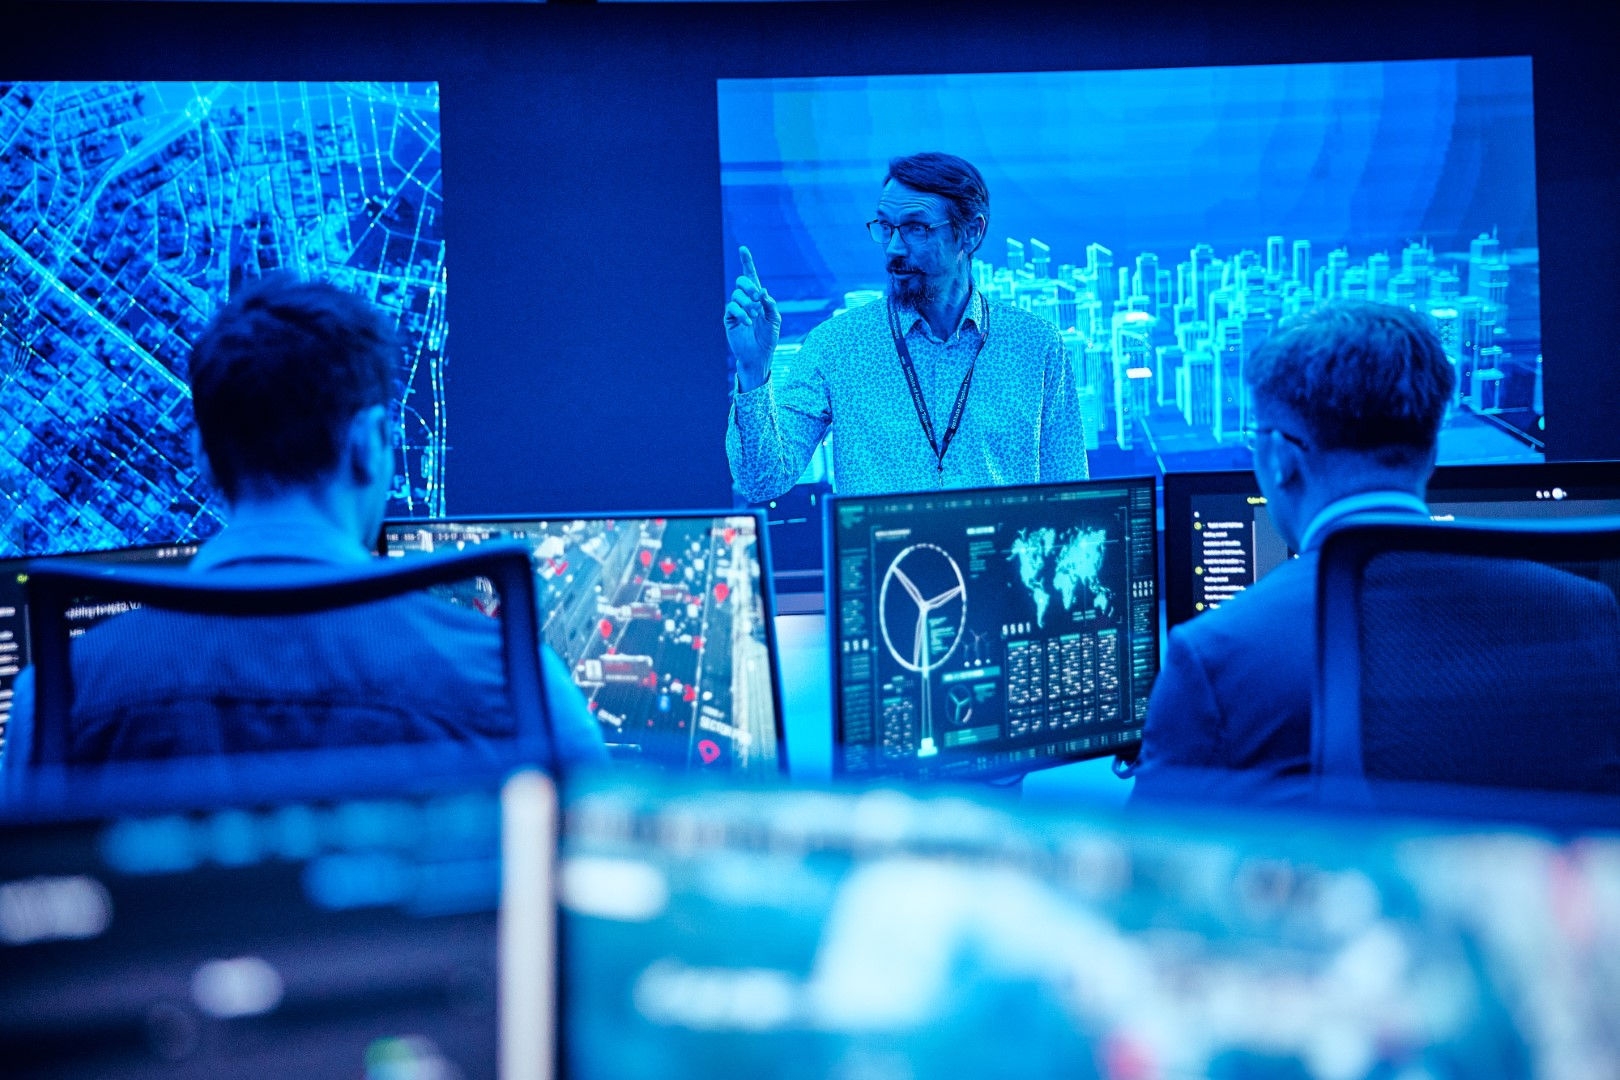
289, 657
1469, 655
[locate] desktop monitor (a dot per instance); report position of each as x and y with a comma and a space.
665, 623
15, 651
991, 631
1219, 540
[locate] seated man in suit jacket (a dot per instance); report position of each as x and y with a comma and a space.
1347, 406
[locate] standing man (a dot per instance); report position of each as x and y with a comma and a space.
1348, 403
937, 387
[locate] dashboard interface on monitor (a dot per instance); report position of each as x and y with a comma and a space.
15, 652
992, 631
1219, 540
663, 622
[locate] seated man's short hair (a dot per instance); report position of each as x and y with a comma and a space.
1362, 376
278, 375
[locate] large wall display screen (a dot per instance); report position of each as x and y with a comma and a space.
1165, 221
128, 214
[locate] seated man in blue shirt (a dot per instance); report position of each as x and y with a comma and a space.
1347, 406
291, 388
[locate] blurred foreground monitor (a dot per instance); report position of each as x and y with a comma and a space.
894, 936
313, 935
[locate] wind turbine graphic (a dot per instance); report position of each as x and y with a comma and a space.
920, 657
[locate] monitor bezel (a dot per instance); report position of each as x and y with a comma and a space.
113, 554
766, 589
830, 573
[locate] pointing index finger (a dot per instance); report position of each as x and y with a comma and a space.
748, 263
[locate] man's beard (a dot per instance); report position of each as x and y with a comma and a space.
912, 291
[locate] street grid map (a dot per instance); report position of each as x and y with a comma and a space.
129, 213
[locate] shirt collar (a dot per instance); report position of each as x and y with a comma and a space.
1360, 503
302, 540
972, 314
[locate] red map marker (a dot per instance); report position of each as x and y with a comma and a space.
646, 557
730, 535
709, 751
721, 591
689, 694
605, 628
667, 566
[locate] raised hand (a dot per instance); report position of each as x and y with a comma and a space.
753, 325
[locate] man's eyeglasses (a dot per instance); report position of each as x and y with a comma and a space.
1252, 433
912, 232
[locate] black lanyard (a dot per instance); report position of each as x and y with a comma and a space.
915, 386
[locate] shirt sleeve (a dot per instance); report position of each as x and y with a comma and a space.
775, 427
1063, 427
578, 735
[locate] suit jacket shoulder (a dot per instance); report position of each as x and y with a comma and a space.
1230, 713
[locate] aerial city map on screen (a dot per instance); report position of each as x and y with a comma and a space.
663, 624
1165, 222
128, 214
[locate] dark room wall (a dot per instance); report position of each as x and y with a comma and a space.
582, 182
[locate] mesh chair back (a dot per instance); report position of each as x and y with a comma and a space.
254, 660
1470, 655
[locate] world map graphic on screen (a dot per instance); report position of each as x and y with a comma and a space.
1048, 561
129, 213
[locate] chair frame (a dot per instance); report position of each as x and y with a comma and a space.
252, 591
1336, 751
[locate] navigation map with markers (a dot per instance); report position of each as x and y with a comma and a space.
662, 625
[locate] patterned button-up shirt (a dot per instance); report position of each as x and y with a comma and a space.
1021, 425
